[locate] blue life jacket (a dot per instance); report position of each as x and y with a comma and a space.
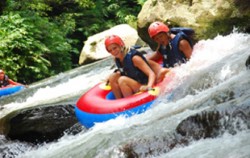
127, 67
171, 54
5, 81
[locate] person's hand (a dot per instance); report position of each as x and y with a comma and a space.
106, 80
145, 88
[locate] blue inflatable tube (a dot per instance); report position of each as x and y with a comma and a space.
10, 90
88, 119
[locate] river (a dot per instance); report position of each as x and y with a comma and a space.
216, 69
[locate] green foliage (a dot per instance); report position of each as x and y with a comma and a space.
30, 47
85, 3
40, 38
125, 12
20, 51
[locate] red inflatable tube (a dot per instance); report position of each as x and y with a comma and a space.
95, 100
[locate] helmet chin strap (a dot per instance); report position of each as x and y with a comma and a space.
122, 49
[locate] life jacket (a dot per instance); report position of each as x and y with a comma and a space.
172, 56
127, 67
5, 81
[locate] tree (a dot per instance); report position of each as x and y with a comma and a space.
40, 38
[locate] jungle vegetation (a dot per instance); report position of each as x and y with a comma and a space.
41, 38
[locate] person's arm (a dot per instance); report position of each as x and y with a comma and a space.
156, 56
185, 47
13, 83
144, 67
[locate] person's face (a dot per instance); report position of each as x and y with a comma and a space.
114, 49
1, 76
161, 38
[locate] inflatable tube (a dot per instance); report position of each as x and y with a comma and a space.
10, 89
99, 104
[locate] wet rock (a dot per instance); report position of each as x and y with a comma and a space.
210, 124
202, 125
153, 146
10, 149
42, 124
207, 124
248, 62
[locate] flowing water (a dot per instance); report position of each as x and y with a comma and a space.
216, 70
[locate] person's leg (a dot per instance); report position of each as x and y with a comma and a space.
128, 86
113, 81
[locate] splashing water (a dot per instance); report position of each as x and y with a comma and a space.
215, 71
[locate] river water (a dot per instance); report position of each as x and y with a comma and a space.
216, 69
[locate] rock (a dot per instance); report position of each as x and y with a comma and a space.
42, 124
207, 18
210, 124
152, 147
202, 125
94, 48
10, 149
248, 62
207, 124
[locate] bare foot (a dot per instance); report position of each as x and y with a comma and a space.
162, 74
